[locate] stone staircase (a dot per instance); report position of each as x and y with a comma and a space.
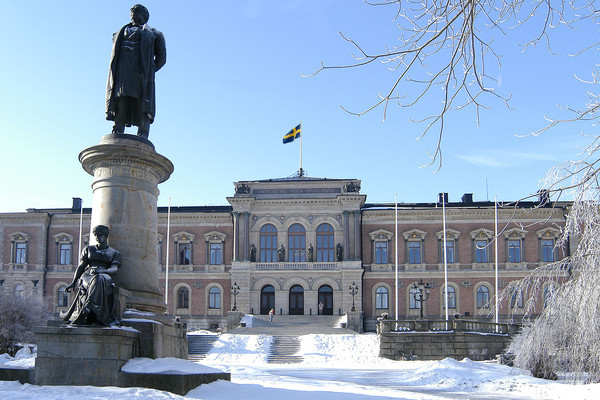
200, 345
284, 349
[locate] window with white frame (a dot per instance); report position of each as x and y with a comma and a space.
414, 245
381, 298
62, 297
481, 245
449, 297
19, 246
483, 296
183, 297
514, 245
215, 244
381, 252
64, 248
214, 298
380, 242
268, 243
547, 238
516, 297
413, 298
451, 245
183, 248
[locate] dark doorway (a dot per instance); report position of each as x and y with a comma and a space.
267, 299
297, 300
326, 298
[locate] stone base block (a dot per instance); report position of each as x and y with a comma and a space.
83, 355
174, 383
158, 340
23, 375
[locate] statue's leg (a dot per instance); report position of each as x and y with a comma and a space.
144, 126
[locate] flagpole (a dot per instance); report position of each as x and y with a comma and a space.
301, 134
396, 257
167, 258
496, 251
445, 258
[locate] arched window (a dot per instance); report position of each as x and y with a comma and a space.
296, 243
413, 295
62, 297
268, 243
516, 298
267, 299
381, 298
183, 297
549, 292
19, 291
483, 296
214, 298
325, 246
450, 296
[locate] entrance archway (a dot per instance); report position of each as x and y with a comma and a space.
297, 300
326, 298
267, 299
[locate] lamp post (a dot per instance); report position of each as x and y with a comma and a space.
235, 290
421, 294
353, 291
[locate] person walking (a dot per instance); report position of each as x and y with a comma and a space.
271, 313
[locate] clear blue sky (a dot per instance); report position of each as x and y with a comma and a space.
232, 87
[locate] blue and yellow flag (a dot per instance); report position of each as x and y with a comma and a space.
293, 134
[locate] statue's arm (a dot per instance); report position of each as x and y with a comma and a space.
83, 263
160, 51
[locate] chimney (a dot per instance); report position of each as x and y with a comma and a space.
443, 198
77, 202
467, 198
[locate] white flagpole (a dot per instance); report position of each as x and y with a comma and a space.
301, 134
496, 250
445, 258
396, 257
167, 257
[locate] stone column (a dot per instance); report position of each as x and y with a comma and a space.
357, 247
127, 171
236, 236
346, 233
246, 255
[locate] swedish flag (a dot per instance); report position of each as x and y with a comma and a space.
293, 134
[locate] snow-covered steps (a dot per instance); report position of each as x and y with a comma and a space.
200, 345
284, 350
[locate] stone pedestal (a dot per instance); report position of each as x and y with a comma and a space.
233, 319
127, 171
83, 355
355, 321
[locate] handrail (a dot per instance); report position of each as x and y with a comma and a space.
441, 325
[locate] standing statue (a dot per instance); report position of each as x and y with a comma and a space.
94, 302
138, 52
252, 253
339, 252
281, 254
310, 253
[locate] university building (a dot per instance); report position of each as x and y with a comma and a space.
306, 246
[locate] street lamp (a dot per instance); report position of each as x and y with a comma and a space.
235, 290
353, 292
421, 294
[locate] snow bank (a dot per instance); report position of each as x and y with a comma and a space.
166, 366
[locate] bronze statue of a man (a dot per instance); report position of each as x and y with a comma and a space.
138, 52
94, 302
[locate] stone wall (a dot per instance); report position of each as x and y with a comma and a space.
439, 345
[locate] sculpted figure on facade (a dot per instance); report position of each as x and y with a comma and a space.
138, 52
310, 253
252, 253
281, 254
94, 302
339, 253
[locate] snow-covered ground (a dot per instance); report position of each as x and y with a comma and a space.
335, 367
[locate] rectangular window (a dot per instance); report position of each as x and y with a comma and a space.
216, 253
64, 254
547, 250
449, 251
514, 251
185, 254
20, 253
381, 298
481, 251
214, 298
381, 253
414, 252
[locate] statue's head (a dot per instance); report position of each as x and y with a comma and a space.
100, 230
139, 14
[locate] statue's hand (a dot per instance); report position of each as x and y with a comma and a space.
70, 287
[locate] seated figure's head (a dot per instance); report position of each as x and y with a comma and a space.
100, 230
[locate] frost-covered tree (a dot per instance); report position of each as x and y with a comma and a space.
18, 314
449, 45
